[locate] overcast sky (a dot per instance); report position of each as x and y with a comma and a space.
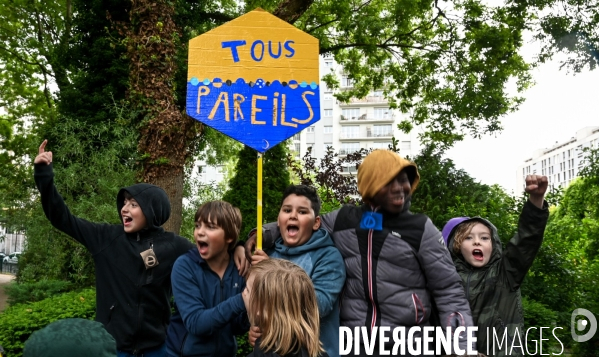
558, 105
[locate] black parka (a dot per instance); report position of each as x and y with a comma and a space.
131, 301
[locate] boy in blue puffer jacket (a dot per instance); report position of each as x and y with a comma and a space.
207, 288
304, 243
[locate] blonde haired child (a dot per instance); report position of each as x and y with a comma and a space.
280, 299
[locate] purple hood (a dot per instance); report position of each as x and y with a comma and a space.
449, 227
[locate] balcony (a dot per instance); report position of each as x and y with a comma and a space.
344, 152
352, 170
363, 118
371, 99
366, 134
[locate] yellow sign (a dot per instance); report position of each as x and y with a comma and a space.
257, 45
255, 79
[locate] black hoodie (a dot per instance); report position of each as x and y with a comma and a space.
131, 302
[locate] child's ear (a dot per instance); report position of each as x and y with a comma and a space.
316, 225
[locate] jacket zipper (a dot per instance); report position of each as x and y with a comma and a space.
222, 288
139, 285
370, 294
468, 286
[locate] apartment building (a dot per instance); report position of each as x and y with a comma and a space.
366, 123
563, 161
11, 241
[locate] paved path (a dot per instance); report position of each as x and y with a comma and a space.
5, 279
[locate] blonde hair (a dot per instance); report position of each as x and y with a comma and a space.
224, 215
461, 232
283, 304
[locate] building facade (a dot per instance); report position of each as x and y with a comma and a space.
563, 161
366, 123
11, 241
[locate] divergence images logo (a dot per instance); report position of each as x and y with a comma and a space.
582, 324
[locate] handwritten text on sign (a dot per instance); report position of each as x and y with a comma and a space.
254, 79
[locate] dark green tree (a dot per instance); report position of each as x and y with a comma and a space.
242, 191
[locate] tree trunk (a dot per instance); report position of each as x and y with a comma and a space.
166, 133
171, 180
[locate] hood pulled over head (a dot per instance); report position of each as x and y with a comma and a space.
379, 168
152, 200
451, 227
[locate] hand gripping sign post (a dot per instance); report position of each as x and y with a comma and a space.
254, 79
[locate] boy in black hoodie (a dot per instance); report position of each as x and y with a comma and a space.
133, 260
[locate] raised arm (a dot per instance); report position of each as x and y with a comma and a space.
522, 249
88, 233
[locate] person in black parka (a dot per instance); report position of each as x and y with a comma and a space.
133, 260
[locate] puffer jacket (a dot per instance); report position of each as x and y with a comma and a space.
493, 290
132, 302
393, 275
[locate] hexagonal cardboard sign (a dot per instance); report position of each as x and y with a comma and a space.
254, 79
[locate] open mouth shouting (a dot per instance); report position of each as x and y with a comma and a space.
202, 247
292, 230
127, 221
478, 255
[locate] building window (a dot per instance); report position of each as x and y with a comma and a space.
346, 82
381, 145
350, 131
349, 168
382, 130
382, 113
297, 147
351, 113
328, 129
349, 148
310, 129
296, 136
328, 96
406, 145
328, 63
326, 146
328, 113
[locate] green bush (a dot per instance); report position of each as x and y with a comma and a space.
243, 346
539, 315
18, 322
38, 291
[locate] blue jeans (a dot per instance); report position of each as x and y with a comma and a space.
156, 352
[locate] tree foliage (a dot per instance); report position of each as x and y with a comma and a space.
568, 27
89, 185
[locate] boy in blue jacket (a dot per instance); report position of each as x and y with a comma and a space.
207, 288
304, 243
